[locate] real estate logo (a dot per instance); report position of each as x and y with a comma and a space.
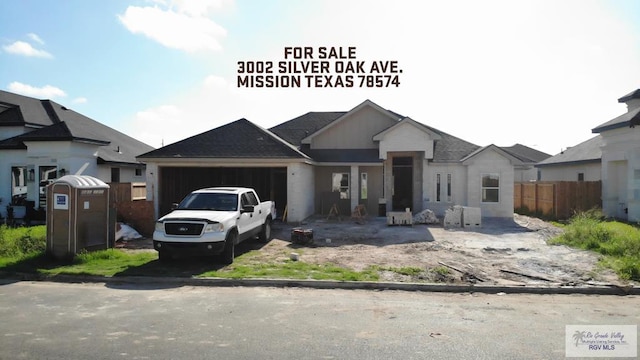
601, 341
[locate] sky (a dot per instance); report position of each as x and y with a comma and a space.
541, 73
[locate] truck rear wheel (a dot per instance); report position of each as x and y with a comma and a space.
265, 234
229, 251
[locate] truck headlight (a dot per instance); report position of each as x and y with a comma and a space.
217, 227
160, 226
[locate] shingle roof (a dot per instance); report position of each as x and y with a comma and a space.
447, 149
632, 95
587, 151
54, 122
239, 139
630, 119
294, 130
525, 153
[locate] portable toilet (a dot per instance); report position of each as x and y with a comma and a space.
77, 215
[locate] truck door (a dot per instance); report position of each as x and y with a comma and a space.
246, 221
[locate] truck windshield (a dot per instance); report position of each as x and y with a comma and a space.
210, 201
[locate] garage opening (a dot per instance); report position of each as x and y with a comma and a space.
176, 182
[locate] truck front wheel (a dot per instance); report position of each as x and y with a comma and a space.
265, 234
164, 255
228, 253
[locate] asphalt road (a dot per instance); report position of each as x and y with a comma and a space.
41, 320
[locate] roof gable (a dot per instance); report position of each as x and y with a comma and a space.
238, 139
493, 148
410, 122
365, 104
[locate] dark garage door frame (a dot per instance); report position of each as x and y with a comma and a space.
176, 182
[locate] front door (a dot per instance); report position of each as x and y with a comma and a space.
402, 171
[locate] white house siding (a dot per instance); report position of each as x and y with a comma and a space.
406, 137
621, 173
563, 172
523, 174
9, 158
300, 191
458, 186
70, 156
354, 132
490, 162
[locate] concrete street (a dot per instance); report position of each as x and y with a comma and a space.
43, 320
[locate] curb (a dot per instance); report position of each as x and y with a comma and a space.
328, 284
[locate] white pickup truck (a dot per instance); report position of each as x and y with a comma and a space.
213, 221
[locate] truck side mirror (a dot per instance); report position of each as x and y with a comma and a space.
247, 209
174, 206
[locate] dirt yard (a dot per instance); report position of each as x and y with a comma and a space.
500, 252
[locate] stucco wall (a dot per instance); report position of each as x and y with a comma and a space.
406, 137
458, 186
591, 171
621, 173
490, 162
354, 132
300, 191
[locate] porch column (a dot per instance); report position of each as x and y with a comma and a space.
355, 186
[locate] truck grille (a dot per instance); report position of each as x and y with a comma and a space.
183, 228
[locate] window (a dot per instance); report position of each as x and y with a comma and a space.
340, 183
490, 188
18, 185
580, 176
363, 186
441, 191
138, 172
115, 175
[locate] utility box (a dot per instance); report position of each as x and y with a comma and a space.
471, 217
77, 215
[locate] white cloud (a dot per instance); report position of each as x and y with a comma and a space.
25, 49
542, 74
45, 92
199, 7
178, 30
79, 100
35, 38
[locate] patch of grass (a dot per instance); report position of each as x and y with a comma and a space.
289, 269
16, 243
405, 270
619, 243
103, 263
441, 270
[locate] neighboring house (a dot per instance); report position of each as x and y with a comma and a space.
621, 161
367, 155
41, 140
578, 163
525, 169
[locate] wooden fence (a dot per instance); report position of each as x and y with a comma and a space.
132, 191
557, 199
131, 207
